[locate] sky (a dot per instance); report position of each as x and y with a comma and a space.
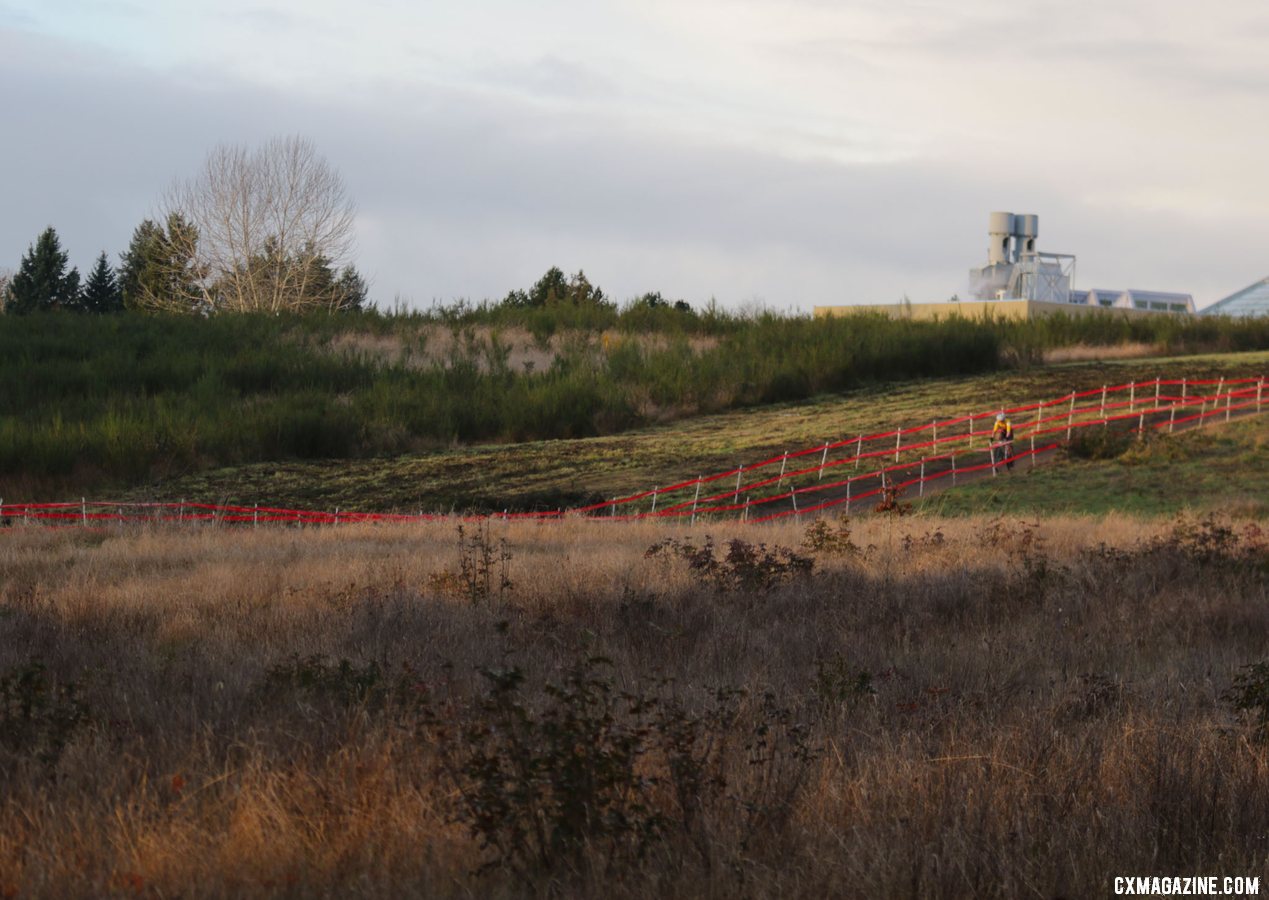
775, 153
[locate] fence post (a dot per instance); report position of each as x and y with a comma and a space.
859, 449
1202, 412
935, 426
1103, 412
1172, 419
1070, 418
848, 496
746, 518
1132, 396
1260, 387
336, 515
1184, 389
696, 498
921, 488
823, 459
654, 499
1158, 379
898, 439
797, 516
953, 468
736, 496
1141, 426
784, 460
1229, 403
255, 516
83, 511
1033, 451
180, 513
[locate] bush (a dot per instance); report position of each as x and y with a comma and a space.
37, 716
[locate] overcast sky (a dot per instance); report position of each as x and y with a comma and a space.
787, 153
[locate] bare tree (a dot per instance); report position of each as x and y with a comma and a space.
271, 224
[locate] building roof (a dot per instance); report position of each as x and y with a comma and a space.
1252, 300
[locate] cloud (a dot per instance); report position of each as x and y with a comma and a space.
472, 185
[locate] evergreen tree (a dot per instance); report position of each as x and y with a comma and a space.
555, 289
351, 290
101, 293
158, 270
42, 281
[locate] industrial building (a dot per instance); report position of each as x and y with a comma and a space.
1022, 281
1252, 300
1018, 270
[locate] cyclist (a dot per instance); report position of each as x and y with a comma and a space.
1002, 441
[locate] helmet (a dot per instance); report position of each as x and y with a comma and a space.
1000, 417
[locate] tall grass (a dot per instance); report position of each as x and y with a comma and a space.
127, 398
983, 708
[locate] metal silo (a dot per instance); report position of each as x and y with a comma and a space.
1000, 227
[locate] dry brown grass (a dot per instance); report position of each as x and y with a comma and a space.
1102, 352
1041, 708
438, 345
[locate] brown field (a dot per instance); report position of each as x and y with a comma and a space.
934, 708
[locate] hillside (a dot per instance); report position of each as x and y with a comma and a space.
550, 474
1219, 468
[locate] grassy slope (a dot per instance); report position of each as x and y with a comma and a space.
563, 473
1223, 467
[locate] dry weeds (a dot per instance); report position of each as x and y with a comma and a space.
994, 708
1102, 352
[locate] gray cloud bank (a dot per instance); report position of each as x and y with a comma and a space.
469, 193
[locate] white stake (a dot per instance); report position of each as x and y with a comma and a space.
1033, 451
696, 498
953, 470
736, 497
921, 484
859, 450
1158, 380
1172, 419
823, 459
784, 460
1132, 395
83, 511
898, 438
654, 499
1070, 417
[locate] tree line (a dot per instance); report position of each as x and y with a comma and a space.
267, 230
